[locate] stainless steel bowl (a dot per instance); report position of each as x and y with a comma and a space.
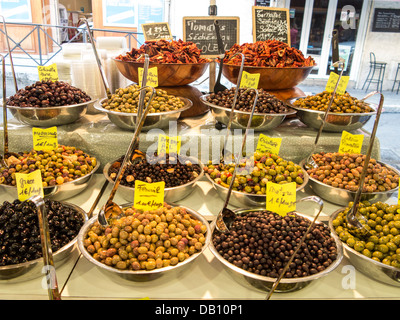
242, 199
335, 122
59, 192
260, 121
372, 269
50, 116
127, 121
33, 269
171, 195
342, 197
263, 283
170, 272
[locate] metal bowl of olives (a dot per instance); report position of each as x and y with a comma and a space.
171, 271
50, 116
373, 269
264, 283
61, 191
33, 269
260, 121
127, 121
171, 194
334, 122
342, 197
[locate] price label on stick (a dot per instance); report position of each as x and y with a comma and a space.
281, 198
49, 73
333, 79
168, 144
249, 80
351, 143
267, 144
45, 139
149, 196
152, 77
29, 185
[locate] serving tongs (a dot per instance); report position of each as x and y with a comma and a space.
111, 209
226, 216
309, 162
356, 222
6, 154
48, 261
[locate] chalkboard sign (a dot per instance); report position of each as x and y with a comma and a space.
386, 20
262, 2
271, 24
156, 31
201, 31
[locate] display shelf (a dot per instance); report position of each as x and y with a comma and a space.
205, 279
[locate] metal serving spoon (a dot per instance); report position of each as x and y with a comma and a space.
310, 163
218, 86
353, 217
226, 216
111, 209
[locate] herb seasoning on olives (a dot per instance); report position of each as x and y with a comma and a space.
383, 224
20, 232
262, 242
147, 240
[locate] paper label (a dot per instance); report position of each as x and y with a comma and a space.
168, 144
152, 77
49, 73
249, 80
281, 198
267, 144
149, 196
351, 143
29, 185
333, 79
45, 139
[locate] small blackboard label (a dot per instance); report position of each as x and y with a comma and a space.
201, 31
156, 31
386, 20
271, 24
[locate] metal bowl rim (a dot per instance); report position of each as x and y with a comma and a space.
62, 249
188, 104
69, 106
380, 264
354, 192
86, 254
290, 112
107, 166
340, 114
66, 183
246, 273
162, 64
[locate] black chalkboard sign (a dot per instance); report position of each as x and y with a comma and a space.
386, 20
262, 2
201, 31
156, 31
271, 24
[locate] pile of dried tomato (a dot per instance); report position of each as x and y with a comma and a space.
164, 51
269, 53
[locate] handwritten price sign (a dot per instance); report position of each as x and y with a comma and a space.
29, 185
45, 139
49, 73
267, 144
351, 143
149, 196
168, 144
249, 80
281, 198
333, 79
152, 77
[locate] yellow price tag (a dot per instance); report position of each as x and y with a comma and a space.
267, 144
249, 80
398, 196
49, 73
168, 144
152, 77
45, 139
333, 79
29, 185
148, 196
351, 143
281, 198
